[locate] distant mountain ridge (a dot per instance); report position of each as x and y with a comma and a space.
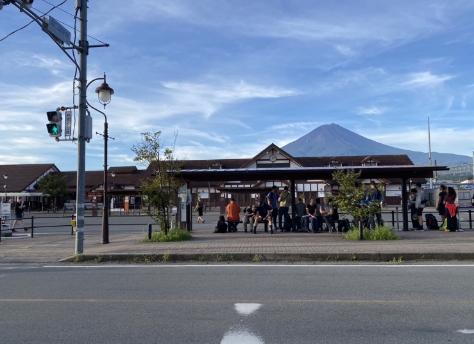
334, 140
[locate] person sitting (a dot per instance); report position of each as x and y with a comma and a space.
221, 226
249, 213
233, 215
264, 212
327, 211
300, 212
312, 215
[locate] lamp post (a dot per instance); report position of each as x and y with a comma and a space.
5, 176
104, 93
113, 186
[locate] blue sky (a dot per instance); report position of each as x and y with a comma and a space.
232, 77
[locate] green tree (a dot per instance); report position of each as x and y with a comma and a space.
160, 192
351, 193
53, 186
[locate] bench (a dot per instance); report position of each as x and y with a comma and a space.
265, 224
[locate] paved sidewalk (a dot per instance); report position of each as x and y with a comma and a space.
205, 245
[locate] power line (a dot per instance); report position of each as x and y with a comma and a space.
11, 33
98, 40
72, 15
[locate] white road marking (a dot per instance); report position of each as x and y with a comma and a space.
241, 335
466, 331
170, 266
246, 308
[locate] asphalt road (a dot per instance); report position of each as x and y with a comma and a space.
56, 223
237, 304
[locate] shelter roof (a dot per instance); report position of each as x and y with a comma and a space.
307, 173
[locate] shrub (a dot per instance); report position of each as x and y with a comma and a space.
379, 233
173, 235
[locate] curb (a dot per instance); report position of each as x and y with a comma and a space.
269, 257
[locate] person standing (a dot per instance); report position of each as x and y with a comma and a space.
420, 204
451, 209
19, 207
199, 208
285, 201
440, 206
272, 199
375, 197
233, 215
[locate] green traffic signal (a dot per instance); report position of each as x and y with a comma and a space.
55, 123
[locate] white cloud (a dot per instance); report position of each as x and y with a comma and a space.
373, 110
426, 79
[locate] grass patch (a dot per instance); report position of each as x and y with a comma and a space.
398, 261
166, 257
99, 259
379, 233
224, 257
257, 258
78, 258
173, 235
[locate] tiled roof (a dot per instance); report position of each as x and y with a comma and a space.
382, 160
20, 177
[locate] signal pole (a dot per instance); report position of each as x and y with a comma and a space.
81, 145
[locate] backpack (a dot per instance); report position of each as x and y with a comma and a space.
431, 222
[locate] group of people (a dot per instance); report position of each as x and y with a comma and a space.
309, 217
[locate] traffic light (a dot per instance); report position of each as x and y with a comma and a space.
55, 123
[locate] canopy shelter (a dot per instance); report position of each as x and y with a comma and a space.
403, 172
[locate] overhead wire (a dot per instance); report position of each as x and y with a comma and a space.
11, 33
74, 28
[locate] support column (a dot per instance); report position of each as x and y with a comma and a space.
189, 215
404, 205
293, 204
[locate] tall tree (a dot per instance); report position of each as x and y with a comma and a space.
53, 186
161, 192
351, 193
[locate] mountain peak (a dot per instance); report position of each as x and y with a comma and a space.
334, 140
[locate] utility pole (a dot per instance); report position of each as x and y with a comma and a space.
60, 38
81, 144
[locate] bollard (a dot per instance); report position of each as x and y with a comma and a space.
72, 227
361, 231
32, 226
398, 228
149, 230
393, 219
470, 219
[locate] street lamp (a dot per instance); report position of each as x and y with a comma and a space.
5, 176
105, 95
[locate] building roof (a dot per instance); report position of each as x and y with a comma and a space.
25, 176
307, 173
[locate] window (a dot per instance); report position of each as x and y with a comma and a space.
334, 163
370, 162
